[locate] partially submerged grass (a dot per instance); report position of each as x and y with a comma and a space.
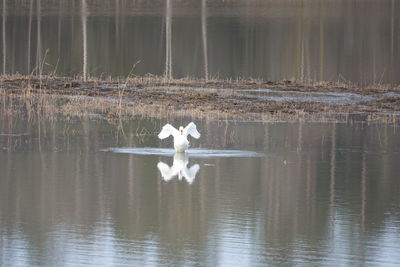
155, 96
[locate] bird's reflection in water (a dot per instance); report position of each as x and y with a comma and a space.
179, 168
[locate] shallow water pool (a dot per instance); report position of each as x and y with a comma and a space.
314, 193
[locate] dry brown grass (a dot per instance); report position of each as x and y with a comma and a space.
155, 96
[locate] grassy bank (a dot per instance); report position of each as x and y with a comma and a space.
155, 96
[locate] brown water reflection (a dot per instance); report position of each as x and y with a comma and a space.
323, 193
321, 40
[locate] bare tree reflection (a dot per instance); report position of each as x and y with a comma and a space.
263, 46
59, 28
204, 36
38, 41
84, 37
29, 37
332, 175
4, 36
321, 48
168, 40
363, 188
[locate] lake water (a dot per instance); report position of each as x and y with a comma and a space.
95, 193
332, 40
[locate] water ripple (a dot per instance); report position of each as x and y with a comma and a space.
193, 153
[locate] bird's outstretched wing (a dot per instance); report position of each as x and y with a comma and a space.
192, 130
167, 130
166, 172
190, 174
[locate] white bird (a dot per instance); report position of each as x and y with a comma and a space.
181, 142
178, 168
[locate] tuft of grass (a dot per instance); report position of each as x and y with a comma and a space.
62, 101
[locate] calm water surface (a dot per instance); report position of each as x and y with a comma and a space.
320, 193
350, 40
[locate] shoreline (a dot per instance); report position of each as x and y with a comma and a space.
155, 96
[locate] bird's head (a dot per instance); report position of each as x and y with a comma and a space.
181, 130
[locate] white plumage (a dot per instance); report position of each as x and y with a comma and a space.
179, 168
181, 142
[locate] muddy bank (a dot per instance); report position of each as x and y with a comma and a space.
156, 96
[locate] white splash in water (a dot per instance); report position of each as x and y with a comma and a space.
193, 153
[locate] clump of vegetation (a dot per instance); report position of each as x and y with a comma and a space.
62, 101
